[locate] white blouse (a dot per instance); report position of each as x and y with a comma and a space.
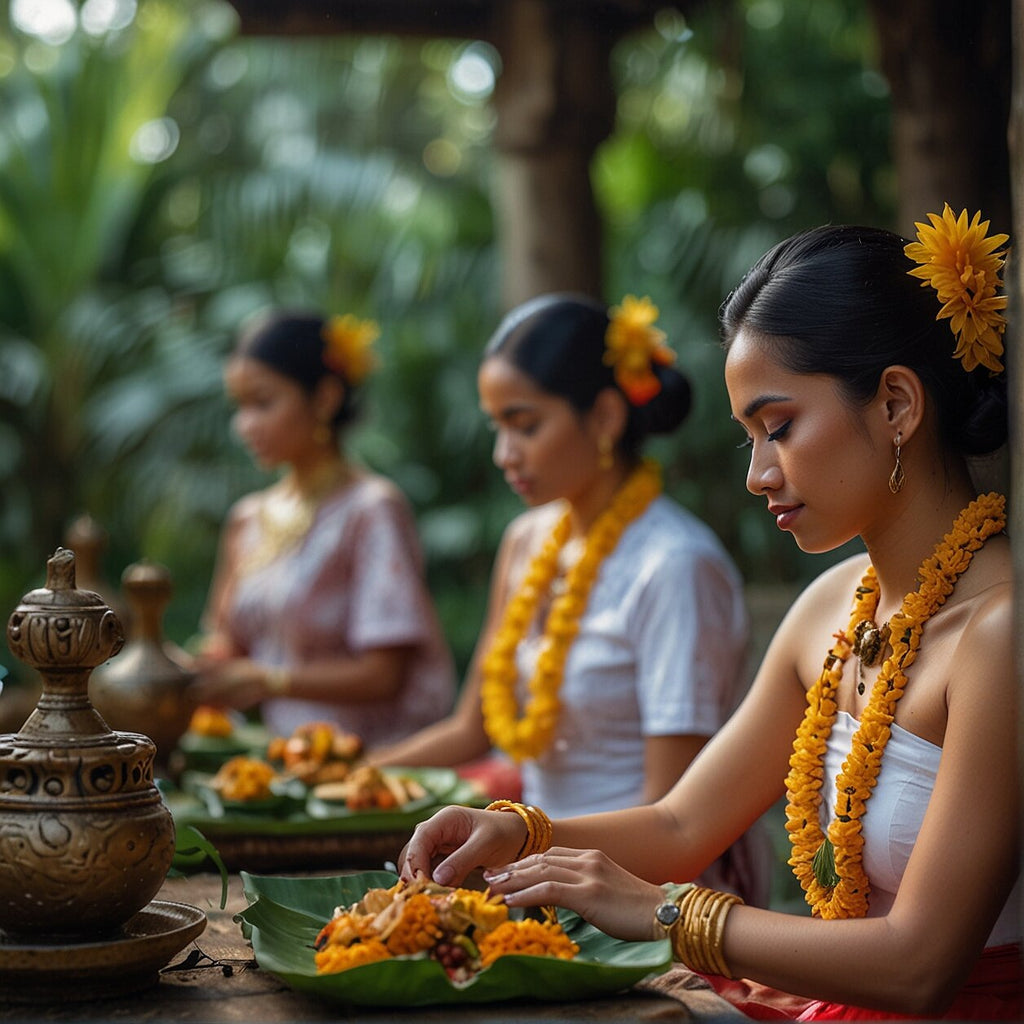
661, 651
894, 815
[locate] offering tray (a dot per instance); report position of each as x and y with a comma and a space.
315, 834
67, 971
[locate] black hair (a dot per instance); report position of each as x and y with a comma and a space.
840, 301
293, 345
558, 341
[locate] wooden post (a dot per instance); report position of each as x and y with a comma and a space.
555, 104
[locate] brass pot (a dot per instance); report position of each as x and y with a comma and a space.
145, 686
85, 837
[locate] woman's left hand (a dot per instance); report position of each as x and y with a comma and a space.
588, 882
233, 682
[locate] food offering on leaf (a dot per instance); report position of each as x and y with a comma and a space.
207, 720
244, 779
316, 752
464, 930
368, 788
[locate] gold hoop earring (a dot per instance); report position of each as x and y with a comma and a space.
898, 477
605, 458
322, 433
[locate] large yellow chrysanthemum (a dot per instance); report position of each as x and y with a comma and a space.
348, 346
633, 345
961, 264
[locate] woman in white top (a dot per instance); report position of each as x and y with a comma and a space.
615, 639
894, 670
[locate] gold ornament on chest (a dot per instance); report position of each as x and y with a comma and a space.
869, 642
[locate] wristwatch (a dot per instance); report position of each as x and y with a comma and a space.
667, 914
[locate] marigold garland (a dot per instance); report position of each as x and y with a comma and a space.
528, 736
347, 346
632, 345
961, 264
846, 894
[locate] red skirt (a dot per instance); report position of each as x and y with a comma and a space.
993, 992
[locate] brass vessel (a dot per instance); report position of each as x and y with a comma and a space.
85, 837
147, 684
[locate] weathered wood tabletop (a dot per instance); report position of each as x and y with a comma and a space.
215, 979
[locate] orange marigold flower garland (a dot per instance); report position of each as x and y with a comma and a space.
528, 735
829, 867
348, 345
961, 264
632, 345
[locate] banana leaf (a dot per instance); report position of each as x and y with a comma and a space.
285, 914
318, 817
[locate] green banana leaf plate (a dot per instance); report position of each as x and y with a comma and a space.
316, 817
285, 914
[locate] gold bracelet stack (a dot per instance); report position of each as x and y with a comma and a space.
697, 935
538, 826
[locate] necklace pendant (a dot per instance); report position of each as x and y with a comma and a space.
868, 641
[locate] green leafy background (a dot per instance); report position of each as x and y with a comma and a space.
161, 177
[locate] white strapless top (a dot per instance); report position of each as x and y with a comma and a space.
895, 813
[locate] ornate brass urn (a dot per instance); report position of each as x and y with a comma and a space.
85, 837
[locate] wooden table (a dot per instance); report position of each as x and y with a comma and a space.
215, 980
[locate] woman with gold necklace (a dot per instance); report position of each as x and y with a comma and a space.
584, 673
318, 608
861, 410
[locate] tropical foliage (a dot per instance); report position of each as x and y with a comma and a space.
161, 177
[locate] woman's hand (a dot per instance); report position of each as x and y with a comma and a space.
457, 840
233, 682
588, 882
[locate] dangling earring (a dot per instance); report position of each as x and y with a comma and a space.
322, 433
898, 476
605, 459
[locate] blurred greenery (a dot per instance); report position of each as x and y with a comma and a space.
161, 177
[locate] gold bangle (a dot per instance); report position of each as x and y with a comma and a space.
697, 935
538, 826
277, 681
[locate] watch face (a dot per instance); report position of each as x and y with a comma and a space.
667, 914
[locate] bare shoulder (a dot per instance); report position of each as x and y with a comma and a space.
806, 632
831, 593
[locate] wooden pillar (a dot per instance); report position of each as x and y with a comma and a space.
555, 103
948, 64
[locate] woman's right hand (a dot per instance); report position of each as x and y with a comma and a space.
457, 840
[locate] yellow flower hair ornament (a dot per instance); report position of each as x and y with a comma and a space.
633, 345
960, 262
348, 345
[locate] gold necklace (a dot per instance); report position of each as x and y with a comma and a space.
528, 736
830, 867
286, 513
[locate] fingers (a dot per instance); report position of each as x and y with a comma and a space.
431, 840
456, 841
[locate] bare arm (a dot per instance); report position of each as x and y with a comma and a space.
959, 874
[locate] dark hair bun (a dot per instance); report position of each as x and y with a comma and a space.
558, 341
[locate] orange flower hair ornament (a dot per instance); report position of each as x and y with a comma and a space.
962, 265
633, 345
348, 346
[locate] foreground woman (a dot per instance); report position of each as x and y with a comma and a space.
902, 782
